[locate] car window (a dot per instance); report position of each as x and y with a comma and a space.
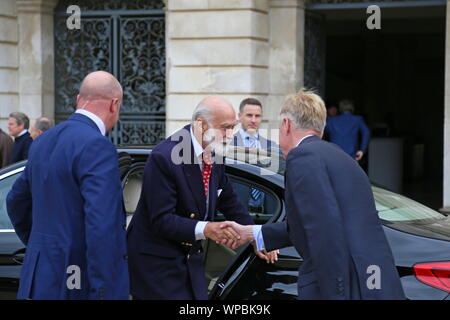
394, 207
132, 191
261, 204
5, 186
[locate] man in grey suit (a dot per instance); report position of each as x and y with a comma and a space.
250, 117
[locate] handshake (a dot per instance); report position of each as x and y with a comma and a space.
234, 235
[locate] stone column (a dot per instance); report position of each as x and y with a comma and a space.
286, 67
36, 57
9, 61
215, 47
446, 191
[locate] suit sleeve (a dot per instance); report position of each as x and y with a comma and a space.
365, 135
19, 206
276, 236
159, 193
26, 148
316, 207
98, 174
229, 204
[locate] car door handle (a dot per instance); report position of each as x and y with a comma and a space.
19, 256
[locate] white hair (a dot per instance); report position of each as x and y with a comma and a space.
306, 110
203, 112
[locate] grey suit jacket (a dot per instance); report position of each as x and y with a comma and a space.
265, 143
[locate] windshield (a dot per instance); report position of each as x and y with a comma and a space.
394, 207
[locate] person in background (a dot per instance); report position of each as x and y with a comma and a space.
345, 131
40, 125
18, 124
250, 117
6, 143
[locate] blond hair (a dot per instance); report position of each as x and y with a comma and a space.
306, 110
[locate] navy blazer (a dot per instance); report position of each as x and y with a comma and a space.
333, 223
163, 254
345, 130
20, 148
67, 208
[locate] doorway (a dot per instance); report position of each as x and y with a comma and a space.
396, 78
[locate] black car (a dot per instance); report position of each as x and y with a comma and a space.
419, 237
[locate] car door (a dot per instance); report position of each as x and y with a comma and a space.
240, 274
12, 250
132, 186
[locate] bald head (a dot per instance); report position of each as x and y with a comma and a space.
100, 85
101, 94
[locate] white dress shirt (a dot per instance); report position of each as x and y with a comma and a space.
22, 133
246, 138
95, 118
257, 234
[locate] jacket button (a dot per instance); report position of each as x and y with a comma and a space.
192, 215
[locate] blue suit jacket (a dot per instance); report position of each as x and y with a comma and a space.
333, 223
67, 208
164, 260
345, 129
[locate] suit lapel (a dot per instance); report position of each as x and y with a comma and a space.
195, 182
239, 140
194, 179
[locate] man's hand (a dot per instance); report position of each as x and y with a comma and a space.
359, 155
270, 257
215, 232
245, 234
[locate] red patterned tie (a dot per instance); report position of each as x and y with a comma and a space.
206, 173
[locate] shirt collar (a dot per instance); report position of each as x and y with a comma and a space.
24, 131
245, 135
198, 149
309, 135
95, 118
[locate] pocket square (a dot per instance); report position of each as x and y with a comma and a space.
219, 192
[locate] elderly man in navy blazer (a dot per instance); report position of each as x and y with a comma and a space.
67, 205
184, 184
330, 212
